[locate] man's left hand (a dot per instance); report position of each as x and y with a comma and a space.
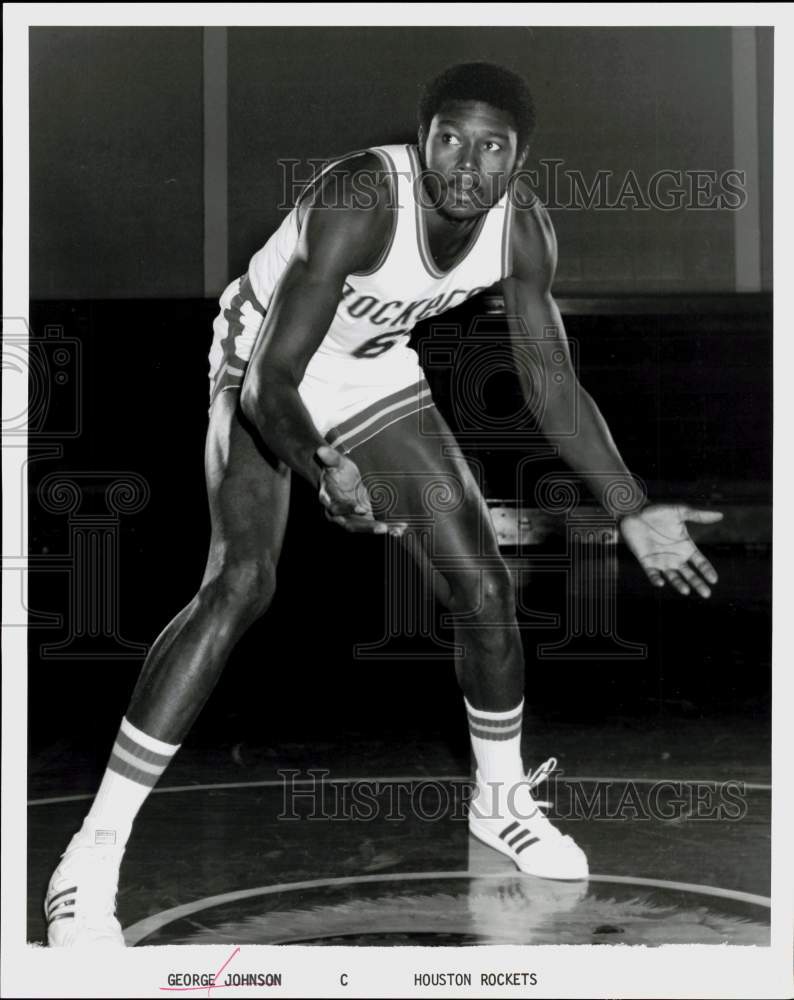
659, 539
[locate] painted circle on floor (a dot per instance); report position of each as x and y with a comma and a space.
462, 908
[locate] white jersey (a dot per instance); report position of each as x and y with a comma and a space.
365, 356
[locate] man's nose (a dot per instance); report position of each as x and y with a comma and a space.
468, 168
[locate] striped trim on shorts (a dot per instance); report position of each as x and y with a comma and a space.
237, 324
230, 376
379, 415
355, 430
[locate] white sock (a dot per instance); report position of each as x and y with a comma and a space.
496, 742
135, 764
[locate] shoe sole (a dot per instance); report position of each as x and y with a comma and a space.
499, 845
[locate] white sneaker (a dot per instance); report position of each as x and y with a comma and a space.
81, 898
507, 818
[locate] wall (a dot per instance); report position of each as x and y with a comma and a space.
117, 202
115, 163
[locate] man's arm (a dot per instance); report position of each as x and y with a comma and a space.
535, 320
656, 534
336, 239
339, 235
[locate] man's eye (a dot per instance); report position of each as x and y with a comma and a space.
449, 138
492, 147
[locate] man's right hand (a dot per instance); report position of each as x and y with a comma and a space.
344, 496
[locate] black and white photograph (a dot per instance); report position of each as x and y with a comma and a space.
388, 501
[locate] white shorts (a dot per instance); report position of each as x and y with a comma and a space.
349, 400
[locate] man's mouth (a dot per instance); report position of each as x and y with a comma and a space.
464, 196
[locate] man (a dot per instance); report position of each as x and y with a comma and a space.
311, 372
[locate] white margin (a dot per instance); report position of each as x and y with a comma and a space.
675, 971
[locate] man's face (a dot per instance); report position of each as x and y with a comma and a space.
470, 152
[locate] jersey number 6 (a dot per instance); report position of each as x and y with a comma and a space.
378, 345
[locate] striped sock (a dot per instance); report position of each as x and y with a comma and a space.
135, 764
496, 742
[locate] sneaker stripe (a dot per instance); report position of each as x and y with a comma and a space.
60, 916
53, 905
63, 902
518, 836
58, 895
527, 843
508, 829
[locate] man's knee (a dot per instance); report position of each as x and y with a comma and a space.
241, 589
488, 594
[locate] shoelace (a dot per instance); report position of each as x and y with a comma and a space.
538, 776
532, 780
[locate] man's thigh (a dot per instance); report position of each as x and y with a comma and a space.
248, 488
415, 471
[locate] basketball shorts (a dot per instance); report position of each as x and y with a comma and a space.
349, 400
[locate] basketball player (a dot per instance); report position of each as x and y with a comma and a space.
311, 373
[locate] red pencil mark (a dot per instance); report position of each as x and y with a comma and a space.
213, 985
235, 952
187, 989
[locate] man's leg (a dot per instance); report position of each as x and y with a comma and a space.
248, 494
417, 464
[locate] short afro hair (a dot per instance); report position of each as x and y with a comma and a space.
480, 81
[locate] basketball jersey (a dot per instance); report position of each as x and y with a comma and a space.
365, 354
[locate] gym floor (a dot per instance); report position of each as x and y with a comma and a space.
343, 826
229, 850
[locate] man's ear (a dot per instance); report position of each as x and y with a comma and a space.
521, 158
421, 140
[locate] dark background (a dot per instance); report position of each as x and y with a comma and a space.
678, 360
117, 142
